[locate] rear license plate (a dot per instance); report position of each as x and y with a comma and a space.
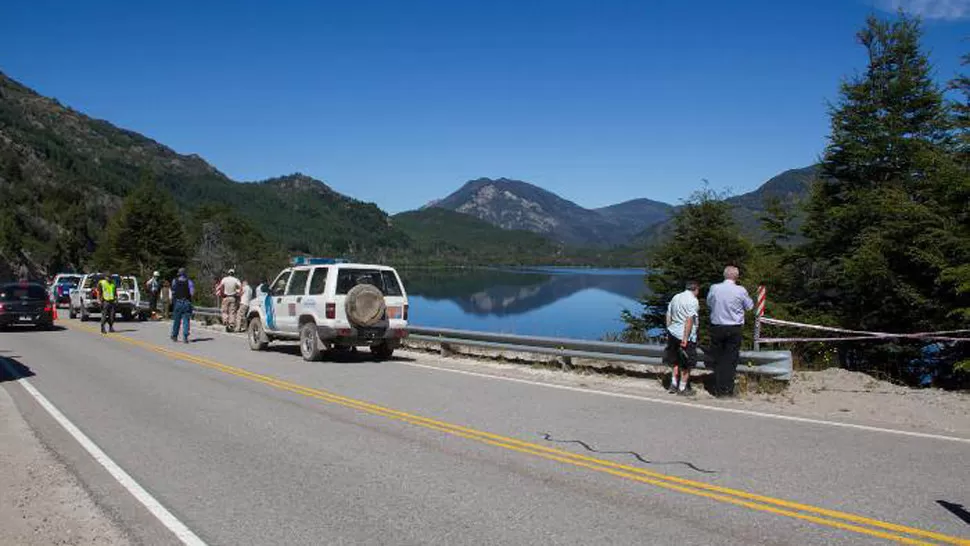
25, 319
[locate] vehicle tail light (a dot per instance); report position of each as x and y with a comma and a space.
405, 311
331, 310
48, 308
1, 307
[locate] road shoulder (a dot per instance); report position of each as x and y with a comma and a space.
42, 501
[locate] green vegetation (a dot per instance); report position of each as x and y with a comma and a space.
887, 229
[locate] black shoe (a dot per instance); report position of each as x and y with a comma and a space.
174, 339
186, 340
686, 392
112, 329
103, 331
672, 389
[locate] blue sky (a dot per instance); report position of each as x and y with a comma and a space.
401, 102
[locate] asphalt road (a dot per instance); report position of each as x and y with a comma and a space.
264, 448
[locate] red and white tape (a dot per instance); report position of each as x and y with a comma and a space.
861, 335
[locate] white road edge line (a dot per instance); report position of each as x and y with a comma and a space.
172, 523
698, 406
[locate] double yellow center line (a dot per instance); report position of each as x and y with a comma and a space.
761, 503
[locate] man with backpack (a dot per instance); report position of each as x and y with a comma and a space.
183, 289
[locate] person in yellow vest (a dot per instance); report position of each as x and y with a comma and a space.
107, 290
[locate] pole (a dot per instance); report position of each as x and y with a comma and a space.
759, 311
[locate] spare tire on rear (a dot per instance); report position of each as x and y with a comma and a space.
365, 305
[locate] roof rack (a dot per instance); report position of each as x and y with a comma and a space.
308, 260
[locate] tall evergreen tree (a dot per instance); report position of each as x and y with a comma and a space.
704, 239
880, 233
145, 235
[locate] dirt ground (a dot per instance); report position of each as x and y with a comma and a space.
41, 502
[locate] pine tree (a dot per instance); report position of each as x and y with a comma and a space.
145, 235
878, 226
704, 239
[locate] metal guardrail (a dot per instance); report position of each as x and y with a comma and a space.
774, 364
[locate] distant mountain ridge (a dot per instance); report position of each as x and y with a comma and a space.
518, 205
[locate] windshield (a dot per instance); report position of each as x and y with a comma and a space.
14, 292
71, 280
385, 281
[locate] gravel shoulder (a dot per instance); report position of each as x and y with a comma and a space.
42, 502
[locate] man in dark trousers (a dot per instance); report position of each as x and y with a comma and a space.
183, 289
727, 301
107, 294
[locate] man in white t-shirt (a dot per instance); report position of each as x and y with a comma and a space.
246, 295
681, 351
229, 289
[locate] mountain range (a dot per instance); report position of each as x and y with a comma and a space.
64, 174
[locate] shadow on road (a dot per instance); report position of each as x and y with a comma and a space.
334, 355
18, 369
956, 509
200, 339
31, 329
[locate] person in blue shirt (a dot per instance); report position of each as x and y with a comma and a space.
728, 302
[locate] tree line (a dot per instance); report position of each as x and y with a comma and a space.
886, 239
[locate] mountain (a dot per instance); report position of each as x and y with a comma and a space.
791, 188
513, 204
63, 174
445, 236
637, 214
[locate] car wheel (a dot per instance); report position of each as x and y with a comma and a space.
71, 312
382, 351
255, 335
84, 315
126, 315
310, 342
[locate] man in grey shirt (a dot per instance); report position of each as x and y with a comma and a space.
727, 301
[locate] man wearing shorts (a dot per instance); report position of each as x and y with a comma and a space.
681, 351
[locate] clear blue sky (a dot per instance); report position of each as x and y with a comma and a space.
400, 102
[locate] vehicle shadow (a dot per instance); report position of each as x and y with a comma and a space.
8, 364
334, 355
31, 329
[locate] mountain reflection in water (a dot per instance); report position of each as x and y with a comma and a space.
584, 303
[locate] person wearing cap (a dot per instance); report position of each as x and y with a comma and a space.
183, 289
107, 295
229, 289
154, 286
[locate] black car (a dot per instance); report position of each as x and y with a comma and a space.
25, 303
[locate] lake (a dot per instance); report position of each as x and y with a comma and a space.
545, 301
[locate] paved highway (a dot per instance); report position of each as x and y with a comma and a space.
263, 448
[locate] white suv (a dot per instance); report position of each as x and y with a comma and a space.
83, 303
327, 304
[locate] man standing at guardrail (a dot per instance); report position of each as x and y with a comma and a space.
183, 289
727, 301
681, 352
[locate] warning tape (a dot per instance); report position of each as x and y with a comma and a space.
861, 335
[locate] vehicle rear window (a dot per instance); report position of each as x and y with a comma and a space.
15, 292
297, 285
127, 283
385, 281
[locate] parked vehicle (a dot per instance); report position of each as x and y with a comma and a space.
25, 303
60, 290
83, 303
327, 304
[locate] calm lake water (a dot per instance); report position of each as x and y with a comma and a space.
544, 301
